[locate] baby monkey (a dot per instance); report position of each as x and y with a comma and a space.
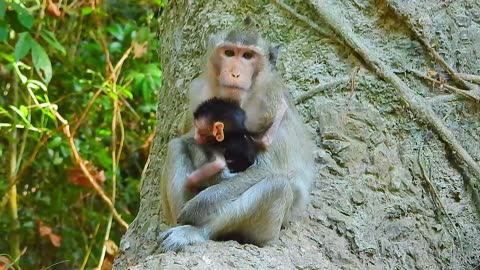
220, 127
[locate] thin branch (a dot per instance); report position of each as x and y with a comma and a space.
421, 108
86, 172
89, 249
463, 93
313, 25
443, 99
418, 35
105, 239
85, 112
436, 195
322, 87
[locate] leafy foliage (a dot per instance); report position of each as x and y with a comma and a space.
90, 67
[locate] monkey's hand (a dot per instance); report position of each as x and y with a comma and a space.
269, 135
204, 173
200, 208
264, 141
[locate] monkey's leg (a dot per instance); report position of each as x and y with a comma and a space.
256, 216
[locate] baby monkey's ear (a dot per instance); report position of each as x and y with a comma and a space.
218, 131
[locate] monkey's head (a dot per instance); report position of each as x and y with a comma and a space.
237, 58
215, 117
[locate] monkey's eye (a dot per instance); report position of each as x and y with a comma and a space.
247, 55
229, 53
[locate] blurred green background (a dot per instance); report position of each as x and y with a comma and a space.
78, 83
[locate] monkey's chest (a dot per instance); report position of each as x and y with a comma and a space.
260, 115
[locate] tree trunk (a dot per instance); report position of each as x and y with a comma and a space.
389, 195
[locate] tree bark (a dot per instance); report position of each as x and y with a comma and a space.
371, 207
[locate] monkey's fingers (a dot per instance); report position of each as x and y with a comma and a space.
177, 238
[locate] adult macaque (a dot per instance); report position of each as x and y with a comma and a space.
220, 126
255, 203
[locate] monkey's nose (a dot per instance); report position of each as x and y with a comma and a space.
235, 75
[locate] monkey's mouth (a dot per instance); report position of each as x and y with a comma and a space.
234, 87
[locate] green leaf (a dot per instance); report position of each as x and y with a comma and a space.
5, 112
7, 57
25, 18
24, 110
49, 37
142, 35
3, 31
125, 92
23, 45
86, 10
117, 31
20, 113
41, 62
3, 9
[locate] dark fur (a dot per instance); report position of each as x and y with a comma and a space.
238, 146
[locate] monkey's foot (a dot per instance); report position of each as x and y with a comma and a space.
176, 238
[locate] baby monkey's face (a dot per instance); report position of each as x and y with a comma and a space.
203, 131
206, 131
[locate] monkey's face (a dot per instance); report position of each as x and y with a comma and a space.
206, 131
203, 131
236, 67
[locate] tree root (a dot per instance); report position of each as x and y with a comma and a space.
418, 105
472, 95
436, 195
418, 35
313, 25
322, 87
470, 77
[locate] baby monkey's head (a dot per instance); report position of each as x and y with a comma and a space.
217, 116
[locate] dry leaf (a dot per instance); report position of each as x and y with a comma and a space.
5, 263
432, 73
53, 10
107, 263
112, 248
55, 239
44, 230
77, 177
139, 49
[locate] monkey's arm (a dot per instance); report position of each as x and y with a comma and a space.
199, 209
269, 135
205, 172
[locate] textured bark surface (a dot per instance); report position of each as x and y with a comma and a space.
371, 207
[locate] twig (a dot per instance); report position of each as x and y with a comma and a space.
436, 195
443, 99
322, 87
353, 82
86, 172
467, 94
418, 35
313, 25
105, 239
416, 104
89, 249
85, 112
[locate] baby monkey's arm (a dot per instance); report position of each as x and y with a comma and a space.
269, 135
205, 172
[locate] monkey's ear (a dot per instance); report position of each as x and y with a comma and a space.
273, 51
218, 131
